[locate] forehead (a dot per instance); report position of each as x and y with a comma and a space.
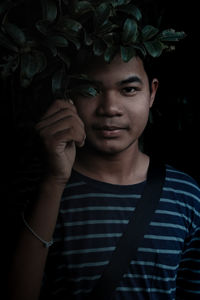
116, 71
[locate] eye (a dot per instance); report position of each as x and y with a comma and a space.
129, 90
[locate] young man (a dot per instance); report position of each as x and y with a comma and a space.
95, 178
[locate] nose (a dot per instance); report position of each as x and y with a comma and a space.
109, 105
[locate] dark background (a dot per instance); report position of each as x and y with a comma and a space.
174, 134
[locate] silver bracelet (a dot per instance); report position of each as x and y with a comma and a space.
45, 243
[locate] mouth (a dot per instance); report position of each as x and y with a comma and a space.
110, 131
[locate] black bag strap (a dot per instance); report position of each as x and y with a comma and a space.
131, 239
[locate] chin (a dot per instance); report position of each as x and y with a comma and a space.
109, 147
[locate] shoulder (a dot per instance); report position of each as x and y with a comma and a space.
182, 188
184, 192
179, 179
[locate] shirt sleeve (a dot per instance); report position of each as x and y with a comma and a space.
188, 278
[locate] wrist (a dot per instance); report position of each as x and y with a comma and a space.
54, 181
52, 185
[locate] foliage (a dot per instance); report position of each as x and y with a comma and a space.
49, 45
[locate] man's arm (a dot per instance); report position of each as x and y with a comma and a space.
61, 130
30, 255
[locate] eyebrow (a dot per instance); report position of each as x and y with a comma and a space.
130, 79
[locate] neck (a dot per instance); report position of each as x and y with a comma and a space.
127, 167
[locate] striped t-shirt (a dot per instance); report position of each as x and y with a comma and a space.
93, 215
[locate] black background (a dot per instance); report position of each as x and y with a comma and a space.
175, 133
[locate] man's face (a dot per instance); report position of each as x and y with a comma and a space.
115, 118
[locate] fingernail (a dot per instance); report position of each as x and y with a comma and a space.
83, 142
70, 101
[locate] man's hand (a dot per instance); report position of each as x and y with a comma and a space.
61, 130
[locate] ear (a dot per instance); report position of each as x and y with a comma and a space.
154, 87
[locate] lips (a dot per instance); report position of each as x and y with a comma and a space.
109, 127
110, 131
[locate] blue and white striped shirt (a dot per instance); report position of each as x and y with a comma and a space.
93, 216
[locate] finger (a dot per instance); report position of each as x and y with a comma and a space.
72, 127
64, 114
82, 143
63, 124
70, 135
57, 106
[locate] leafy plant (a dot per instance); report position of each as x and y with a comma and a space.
49, 46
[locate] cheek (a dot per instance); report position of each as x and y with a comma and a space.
138, 115
84, 110
138, 119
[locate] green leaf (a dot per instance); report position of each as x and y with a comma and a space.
58, 41
102, 13
43, 26
110, 53
10, 66
131, 10
106, 27
40, 60
170, 35
87, 91
130, 31
15, 33
6, 43
127, 53
87, 38
65, 24
73, 38
154, 48
98, 47
109, 39
116, 3
58, 83
83, 7
140, 48
79, 77
75, 41
28, 69
52, 47
149, 32
49, 10
64, 57
31, 64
